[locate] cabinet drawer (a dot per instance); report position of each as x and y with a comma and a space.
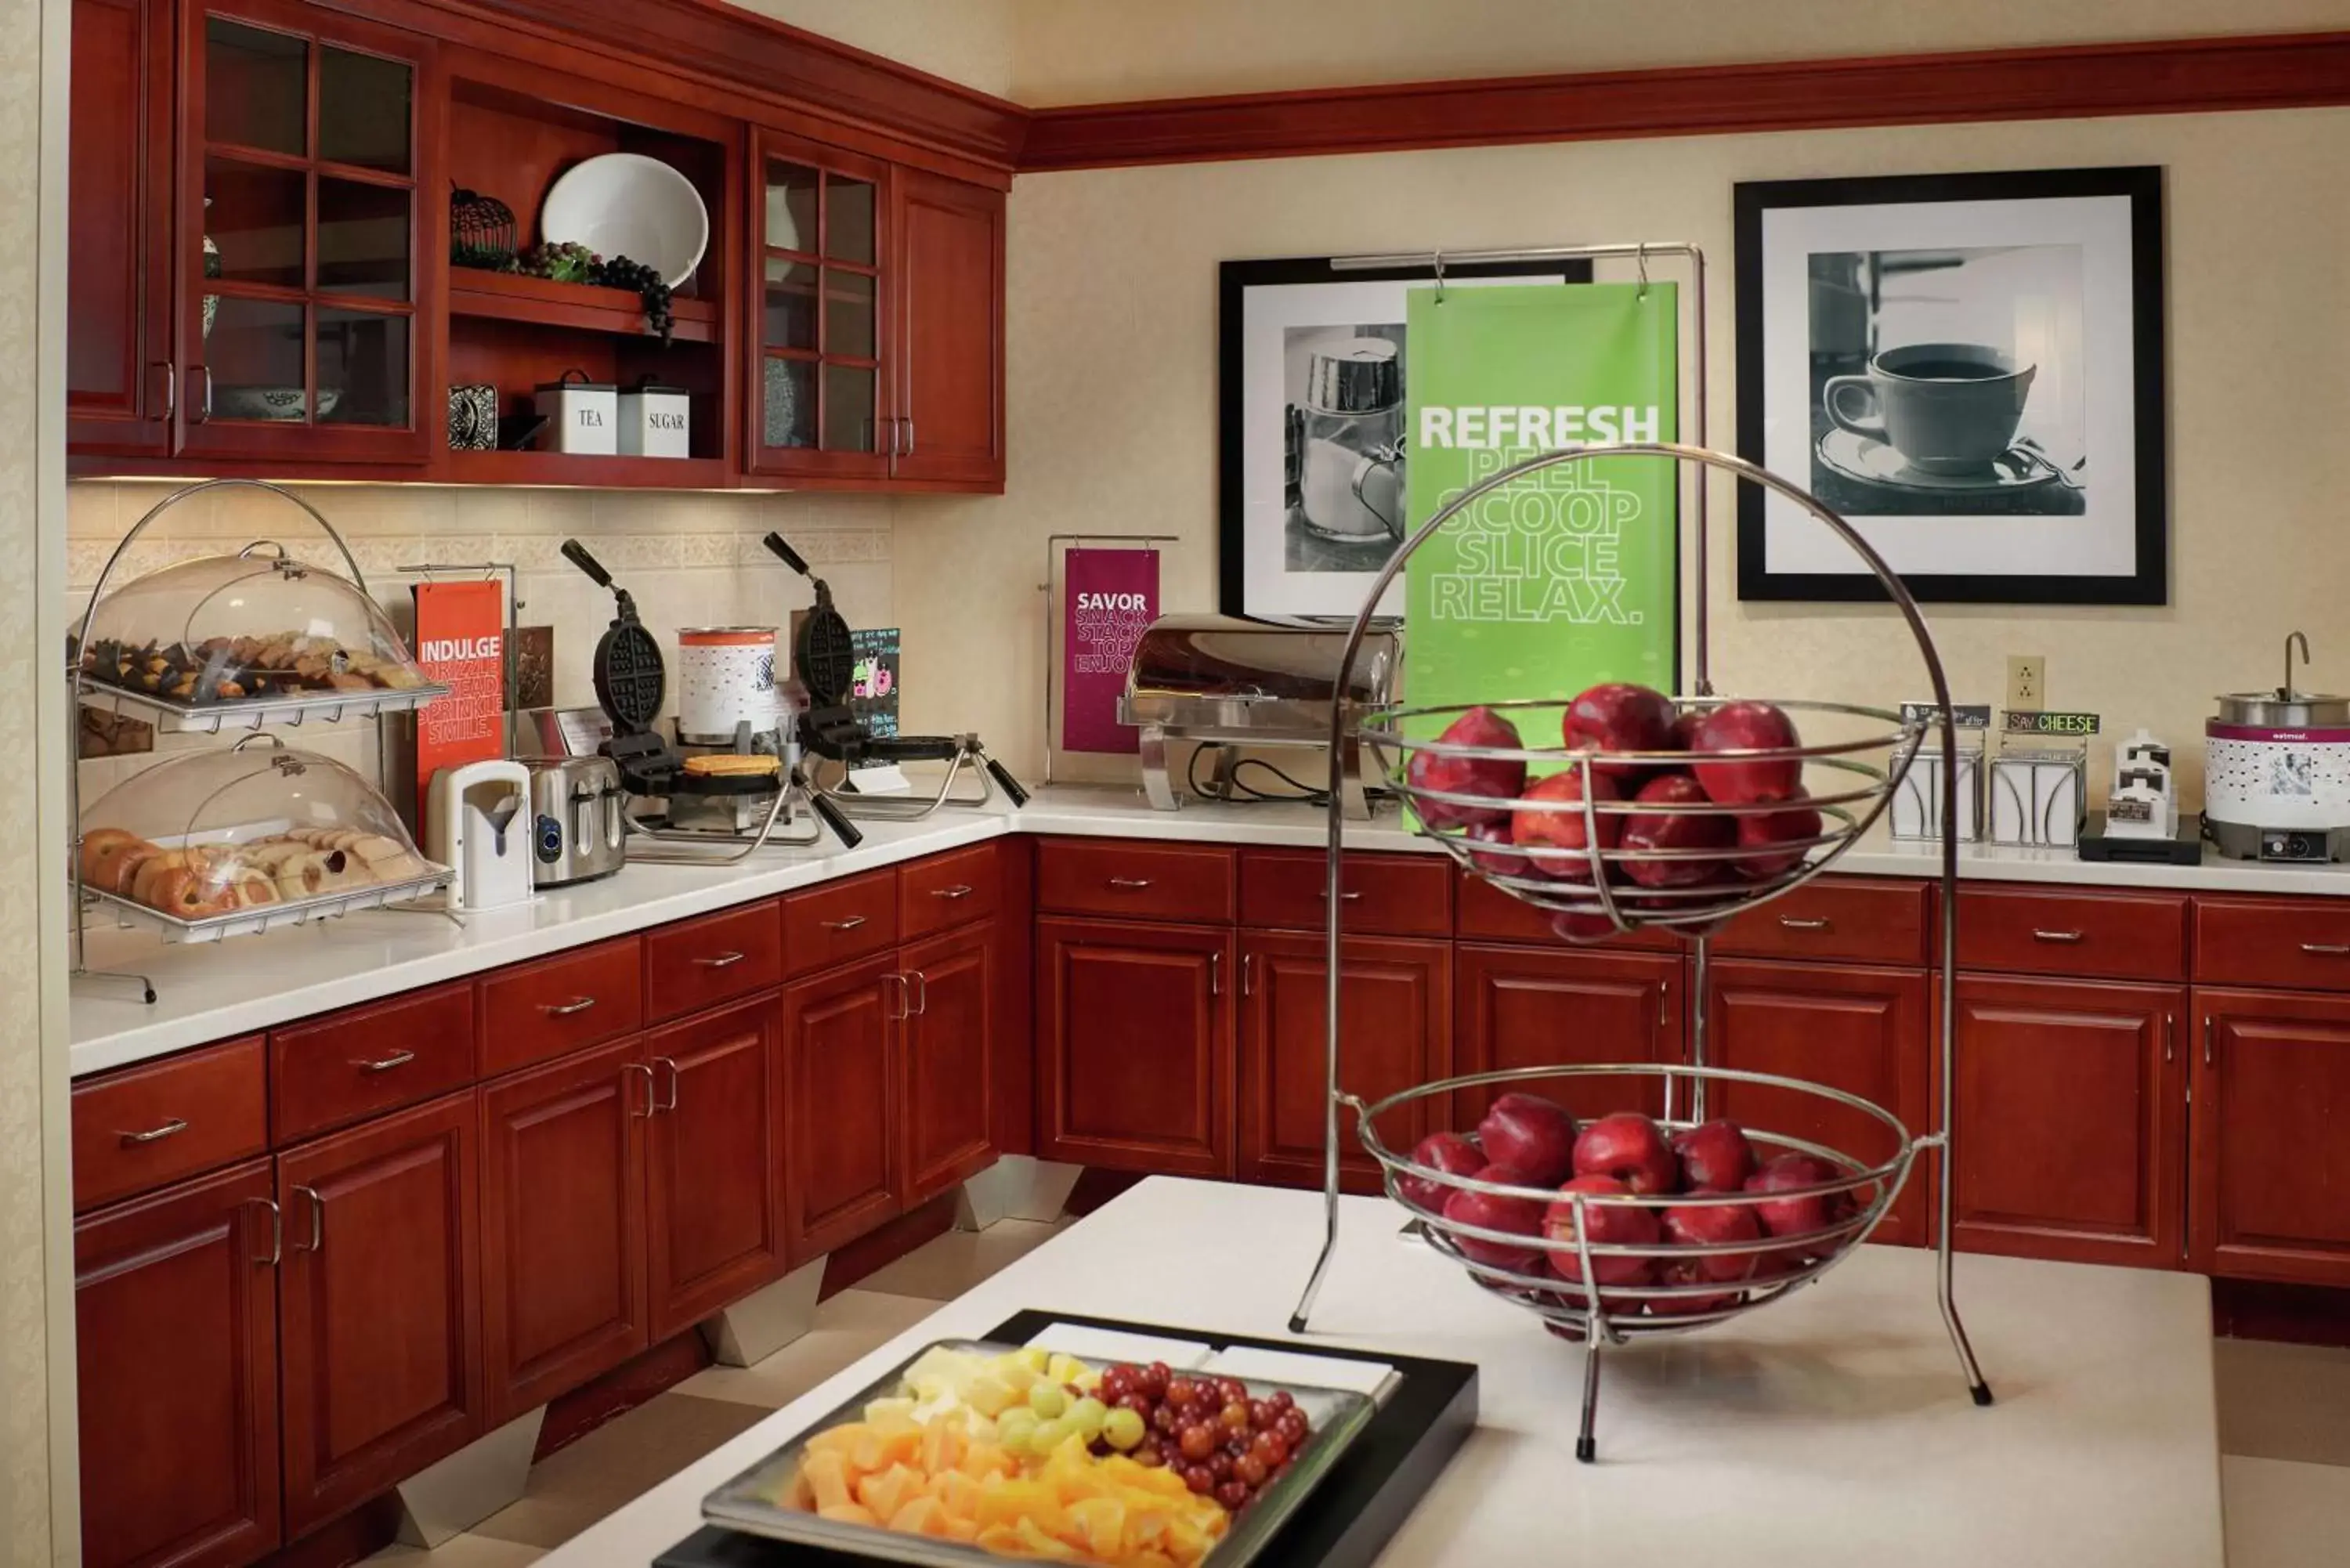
948, 890
370, 1060
1489, 915
1129, 880
1382, 895
1837, 918
148, 1125
700, 963
536, 1011
2115, 935
841, 923
2299, 942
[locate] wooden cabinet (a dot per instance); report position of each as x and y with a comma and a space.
1529, 1007
176, 1313
714, 1190
2271, 1178
563, 1223
949, 318
842, 1037
121, 376
382, 1353
1868, 1032
1395, 1031
164, 1121
2071, 1120
1135, 1046
948, 1064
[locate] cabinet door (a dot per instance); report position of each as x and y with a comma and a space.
310, 236
951, 1044
175, 1316
377, 1303
713, 1189
2070, 1137
1534, 1007
1394, 1015
1865, 1031
119, 375
841, 1110
949, 316
563, 1224
1136, 1025
2272, 1168
820, 401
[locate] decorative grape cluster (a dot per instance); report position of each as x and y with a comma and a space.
572, 261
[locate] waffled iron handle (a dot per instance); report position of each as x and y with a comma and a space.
842, 829
1006, 782
791, 557
577, 553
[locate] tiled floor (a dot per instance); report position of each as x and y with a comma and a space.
2284, 1423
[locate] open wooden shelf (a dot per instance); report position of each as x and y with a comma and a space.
514, 297
602, 472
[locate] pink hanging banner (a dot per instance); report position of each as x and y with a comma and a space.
1110, 597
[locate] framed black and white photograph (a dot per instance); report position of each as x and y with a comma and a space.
1967, 367
1313, 363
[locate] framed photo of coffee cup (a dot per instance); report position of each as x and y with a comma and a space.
1969, 368
1311, 409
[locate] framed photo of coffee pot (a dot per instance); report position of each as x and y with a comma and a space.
1967, 367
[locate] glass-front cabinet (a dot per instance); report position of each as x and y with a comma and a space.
820, 395
304, 209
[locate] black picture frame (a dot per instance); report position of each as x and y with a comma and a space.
2148, 462
1235, 279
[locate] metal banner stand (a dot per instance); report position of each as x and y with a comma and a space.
1056, 546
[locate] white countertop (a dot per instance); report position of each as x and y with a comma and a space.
1831, 1428
216, 992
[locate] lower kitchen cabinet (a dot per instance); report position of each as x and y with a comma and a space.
1135, 1039
713, 1167
2071, 1125
1530, 1007
840, 1104
1865, 1030
564, 1292
2271, 1164
948, 1067
381, 1345
176, 1313
1394, 1015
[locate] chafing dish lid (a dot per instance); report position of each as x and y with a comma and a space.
1227, 655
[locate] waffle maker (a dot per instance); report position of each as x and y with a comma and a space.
631, 681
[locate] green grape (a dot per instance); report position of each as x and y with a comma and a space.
1048, 1400
1013, 1428
1086, 1416
1048, 1435
1123, 1427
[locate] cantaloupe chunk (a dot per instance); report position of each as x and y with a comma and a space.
1101, 1523
918, 1515
849, 1513
944, 1441
887, 1491
827, 1476
1036, 1542
840, 1439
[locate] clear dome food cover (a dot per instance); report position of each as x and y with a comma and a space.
258, 626
255, 836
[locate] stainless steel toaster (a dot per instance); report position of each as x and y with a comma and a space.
577, 831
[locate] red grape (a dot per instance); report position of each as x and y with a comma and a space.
1235, 1416
1230, 1388
1235, 1443
1136, 1400
1280, 1399
1199, 1479
1199, 1441
1179, 1391
1270, 1447
1165, 1418
1149, 1458
1293, 1428
1152, 1379
1234, 1495
1248, 1468
1263, 1413
1117, 1384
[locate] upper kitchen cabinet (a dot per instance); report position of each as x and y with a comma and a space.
308, 232
949, 321
121, 373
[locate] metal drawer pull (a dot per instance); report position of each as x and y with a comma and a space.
318, 1218
1131, 883
722, 960
960, 891
849, 924
2325, 949
385, 1065
276, 1233
2168, 1024
922, 993
1343, 898
670, 1104
1248, 974
566, 1009
156, 1134
2207, 1040
905, 998
2040, 936
1793, 924
651, 1101
1216, 974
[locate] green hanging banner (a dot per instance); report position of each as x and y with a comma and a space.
1568, 576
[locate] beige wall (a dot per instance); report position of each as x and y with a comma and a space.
1082, 51
1113, 382
966, 41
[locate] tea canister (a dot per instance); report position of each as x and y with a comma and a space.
725, 676
585, 415
655, 420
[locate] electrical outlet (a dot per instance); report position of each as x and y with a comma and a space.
2027, 681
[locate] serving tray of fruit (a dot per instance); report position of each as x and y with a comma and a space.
973, 1451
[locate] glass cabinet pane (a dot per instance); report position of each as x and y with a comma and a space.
791, 305
791, 206
364, 110
849, 227
788, 409
254, 217
362, 368
848, 422
848, 314
256, 88
363, 238
254, 353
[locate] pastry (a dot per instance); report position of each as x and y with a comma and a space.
729, 764
189, 895
309, 874
248, 888
147, 881
387, 859
271, 854
102, 852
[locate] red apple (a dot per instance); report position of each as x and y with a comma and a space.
1610, 1224
1686, 1271
1714, 1224
1673, 828
1685, 729
1499, 778
1448, 1152
1746, 727
1715, 1156
1800, 1216
1793, 826
1630, 1147
1555, 823
1621, 717
1492, 1211
1532, 1134
1493, 862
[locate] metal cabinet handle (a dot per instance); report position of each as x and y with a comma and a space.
318, 1218
1216, 974
566, 1009
2043, 936
909, 437
1248, 974
722, 960
651, 1100
385, 1065
158, 1134
960, 891
849, 924
276, 1233
1343, 898
171, 391
2207, 1040
1793, 924
2169, 1030
1132, 883
2325, 949
905, 996
204, 409
670, 1104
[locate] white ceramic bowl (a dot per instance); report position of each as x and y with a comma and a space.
627, 204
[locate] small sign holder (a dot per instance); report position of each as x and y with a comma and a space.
1917, 812
2039, 794
1056, 549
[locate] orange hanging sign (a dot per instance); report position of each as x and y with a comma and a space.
459, 644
